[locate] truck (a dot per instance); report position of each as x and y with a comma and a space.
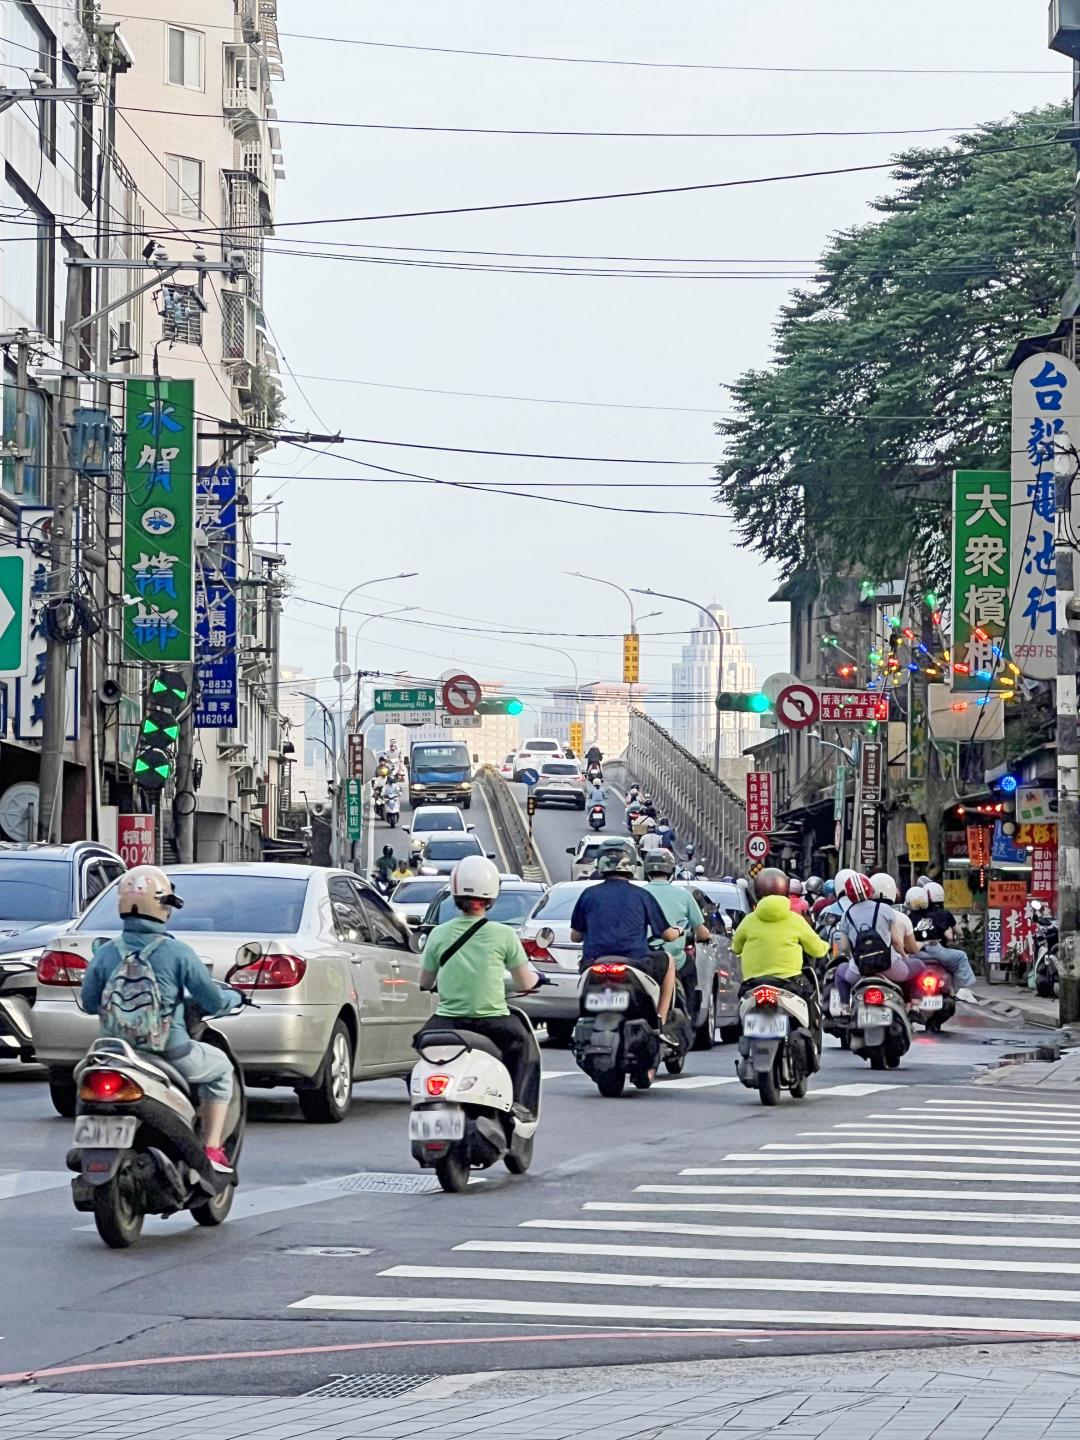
440, 770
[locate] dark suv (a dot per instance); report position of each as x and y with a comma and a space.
42, 889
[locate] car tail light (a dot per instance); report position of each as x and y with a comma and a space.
60, 967
873, 997
608, 969
436, 1085
766, 995
270, 972
535, 951
928, 983
109, 1085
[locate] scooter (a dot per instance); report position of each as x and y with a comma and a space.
618, 1032
597, 817
777, 1050
18, 985
935, 1001
463, 1115
138, 1149
392, 808
594, 772
879, 1028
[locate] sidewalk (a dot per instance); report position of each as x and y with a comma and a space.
1012, 1003
954, 1394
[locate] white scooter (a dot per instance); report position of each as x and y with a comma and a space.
462, 1106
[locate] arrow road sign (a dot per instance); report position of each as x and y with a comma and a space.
797, 706
757, 846
460, 695
529, 777
14, 611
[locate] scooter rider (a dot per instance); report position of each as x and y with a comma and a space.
774, 942
385, 866
145, 896
934, 927
597, 794
465, 959
680, 909
595, 756
864, 911
616, 919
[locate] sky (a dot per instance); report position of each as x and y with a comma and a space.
628, 368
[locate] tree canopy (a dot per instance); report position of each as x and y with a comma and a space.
887, 374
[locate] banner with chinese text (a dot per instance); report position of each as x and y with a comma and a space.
216, 669
982, 539
159, 513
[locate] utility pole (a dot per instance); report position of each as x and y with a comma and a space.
184, 812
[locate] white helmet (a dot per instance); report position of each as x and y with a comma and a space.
916, 898
148, 892
935, 893
474, 878
699, 870
885, 887
840, 880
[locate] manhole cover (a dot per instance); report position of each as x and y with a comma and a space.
384, 1181
332, 1252
367, 1387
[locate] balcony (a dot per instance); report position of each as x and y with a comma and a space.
248, 13
244, 226
242, 97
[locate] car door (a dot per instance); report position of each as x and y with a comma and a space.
410, 1006
353, 933
93, 879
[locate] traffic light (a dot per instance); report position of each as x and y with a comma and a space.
166, 703
500, 705
751, 703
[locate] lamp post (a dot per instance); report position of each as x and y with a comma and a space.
685, 600
335, 842
397, 610
597, 580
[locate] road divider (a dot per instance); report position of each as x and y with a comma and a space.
508, 823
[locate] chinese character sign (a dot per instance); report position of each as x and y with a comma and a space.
159, 504
982, 538
135, 839
759, 802
35, 532
1044, 873
1045, 426
216, 703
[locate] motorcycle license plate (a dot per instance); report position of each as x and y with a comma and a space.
437, 1125
931, 1002
765, 1026
836, 1005
874, 1017
607, 1000
105, 1132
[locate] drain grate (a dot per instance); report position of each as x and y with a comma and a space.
384, 1182
367, 1387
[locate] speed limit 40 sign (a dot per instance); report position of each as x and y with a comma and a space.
757, 846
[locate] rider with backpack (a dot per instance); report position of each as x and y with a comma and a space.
877, 940
137, 984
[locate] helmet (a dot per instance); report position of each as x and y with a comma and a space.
916, 898
840, 883
770, 881
665, 823
858, 887
829, 888
885, 887
616, 857
388, 850
646, 799
148, 892
922, 881
935, 893
795, 885
474, 878
700, 870
690, 850
659, 862
814, 885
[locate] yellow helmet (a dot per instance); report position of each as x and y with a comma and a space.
148, 892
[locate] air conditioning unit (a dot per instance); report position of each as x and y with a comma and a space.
262, 793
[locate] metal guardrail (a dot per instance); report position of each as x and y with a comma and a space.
510, 822
700, 806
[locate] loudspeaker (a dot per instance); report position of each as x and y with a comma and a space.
110, 692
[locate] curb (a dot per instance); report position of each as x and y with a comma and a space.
1009, 1010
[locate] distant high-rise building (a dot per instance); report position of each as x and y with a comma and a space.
694, 684
603, 710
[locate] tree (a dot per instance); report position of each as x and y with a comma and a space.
888, 370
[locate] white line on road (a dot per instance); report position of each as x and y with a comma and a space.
888, 1192
557, 1074
761, 1256
942, 1118
879, 1173
976, 1132
695, 1082
873, 1237
854, 1212
686, 1316
855, 1089
922, 1147
758, 1283
31, 1182
838, 1152
998, 1105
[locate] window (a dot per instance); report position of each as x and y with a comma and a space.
183, 188
34, 401
386, 928
27, 267
224, 902
184, 58
350, 919
27, 35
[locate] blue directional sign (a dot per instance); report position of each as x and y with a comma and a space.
529, 777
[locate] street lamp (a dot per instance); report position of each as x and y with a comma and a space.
660, 595
848, 755
397, 610
597, 580
335, 843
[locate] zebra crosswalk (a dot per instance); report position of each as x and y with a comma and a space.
957, 1216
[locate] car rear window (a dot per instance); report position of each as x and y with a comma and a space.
438, 820
35, 890
228, 903
453, 849
558, 903
541, 745
588, 854
417, 892
559, 767
512, 906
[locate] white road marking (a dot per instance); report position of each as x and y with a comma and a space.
32, 1182
762, 1256
999, 1105
828, 1152
1040, 1120
763, 1283
857, 1089
923, 1147
878, 1173
557, 1074
696, 1082
975, 1132
889, 1192
650, 1315
873, 1237
992, 1217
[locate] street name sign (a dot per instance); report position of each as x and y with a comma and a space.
415, 706
354, 808
14, 610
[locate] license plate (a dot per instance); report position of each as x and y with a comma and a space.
436, 1124
767, 1026
607, 1000
874, 1017
105, 1132
836, 1005
931, 1002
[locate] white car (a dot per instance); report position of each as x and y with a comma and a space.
561, 783
432, 820
410, 898
506, 769
532, 754
584, 855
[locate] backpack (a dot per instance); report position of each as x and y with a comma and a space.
132, 1007
871, 953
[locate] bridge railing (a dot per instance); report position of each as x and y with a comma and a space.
508, 818
701, 807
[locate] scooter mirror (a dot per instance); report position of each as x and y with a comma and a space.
545, 937
422, 939
97, 943
247, 955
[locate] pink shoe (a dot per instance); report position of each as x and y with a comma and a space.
219, 1161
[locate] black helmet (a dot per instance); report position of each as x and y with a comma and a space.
388, 850
659, 862
770, 882
617, 857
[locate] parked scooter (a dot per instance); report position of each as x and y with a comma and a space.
597, 817
879, 1028
138, 1147
462, 1106
778, 1050
1044, 977
18, 985
618, 1034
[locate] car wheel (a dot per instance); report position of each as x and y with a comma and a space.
704, 1035
466, 804
63, 1093
328, 1100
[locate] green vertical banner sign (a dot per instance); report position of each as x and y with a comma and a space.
354, 804
982, 535
159, 521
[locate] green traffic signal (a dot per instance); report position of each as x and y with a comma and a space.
747, 703
500, 705
514, 707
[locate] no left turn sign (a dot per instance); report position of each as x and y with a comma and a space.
797, 706
757, 846
460, 695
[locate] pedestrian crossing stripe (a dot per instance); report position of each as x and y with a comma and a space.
659, 1226
879, 1173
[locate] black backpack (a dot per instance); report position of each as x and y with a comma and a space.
871, 953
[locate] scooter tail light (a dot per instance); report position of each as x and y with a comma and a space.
61, 967
106, 1085
766, 995
607, 968
928, 983
436, 1085
873, 997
